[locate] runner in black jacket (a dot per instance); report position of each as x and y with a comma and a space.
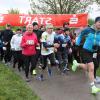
6, 36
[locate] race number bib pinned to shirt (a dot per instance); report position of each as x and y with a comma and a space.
94, 55
63, 45
4, 48
31, 42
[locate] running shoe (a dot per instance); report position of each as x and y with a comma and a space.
34, 72
75, 65
40, 77
49, 72
95, 90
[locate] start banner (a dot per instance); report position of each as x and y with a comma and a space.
74, 20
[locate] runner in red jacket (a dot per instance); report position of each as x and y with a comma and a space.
28, 44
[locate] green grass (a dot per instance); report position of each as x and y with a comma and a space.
98, 72
12, 87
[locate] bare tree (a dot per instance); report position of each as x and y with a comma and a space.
32, 12
59, 6
97, 1
13, 11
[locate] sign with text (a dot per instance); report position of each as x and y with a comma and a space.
75, 20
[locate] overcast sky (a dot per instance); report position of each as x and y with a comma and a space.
24, 7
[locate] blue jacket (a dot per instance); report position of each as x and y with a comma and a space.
1, 44
92, 38
63, 39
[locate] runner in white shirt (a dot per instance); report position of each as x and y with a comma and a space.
47, 49
16, 48
49, 39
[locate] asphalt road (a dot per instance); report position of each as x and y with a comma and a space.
72, 86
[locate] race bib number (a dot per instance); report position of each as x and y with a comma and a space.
94, 55
4, 48
30, 42
63, 45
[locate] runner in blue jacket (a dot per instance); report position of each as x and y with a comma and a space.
91, 45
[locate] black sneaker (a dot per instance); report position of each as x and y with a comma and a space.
14, 66
19, 69
27, 79
65, 70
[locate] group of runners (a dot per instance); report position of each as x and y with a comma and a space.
47, 47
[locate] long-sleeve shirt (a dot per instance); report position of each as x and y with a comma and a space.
16, 42
47, 43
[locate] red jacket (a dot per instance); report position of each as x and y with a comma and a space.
29, 49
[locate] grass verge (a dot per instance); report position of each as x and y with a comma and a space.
98, 72
12, 87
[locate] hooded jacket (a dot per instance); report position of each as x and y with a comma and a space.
29, 49
92, 38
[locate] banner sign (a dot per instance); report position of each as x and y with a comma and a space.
75, 20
